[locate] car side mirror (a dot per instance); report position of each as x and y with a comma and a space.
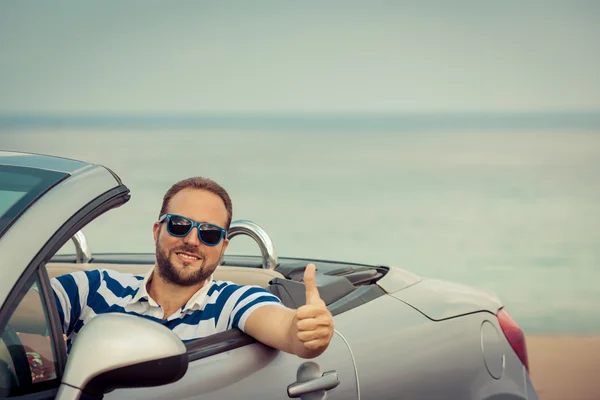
121, 351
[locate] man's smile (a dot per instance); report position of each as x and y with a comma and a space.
187, 256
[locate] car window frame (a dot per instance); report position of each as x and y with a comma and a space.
49, 179
37, 267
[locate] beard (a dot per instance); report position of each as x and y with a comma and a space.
169, 273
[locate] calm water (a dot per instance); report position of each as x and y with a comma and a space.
517, 213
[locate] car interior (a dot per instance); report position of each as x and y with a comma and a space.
341, 285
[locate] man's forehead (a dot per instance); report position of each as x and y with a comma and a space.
199, 205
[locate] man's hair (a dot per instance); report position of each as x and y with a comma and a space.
201, 184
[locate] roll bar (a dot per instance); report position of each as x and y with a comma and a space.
239, 227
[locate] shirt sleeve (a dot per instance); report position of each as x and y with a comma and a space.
250, 298
71, 292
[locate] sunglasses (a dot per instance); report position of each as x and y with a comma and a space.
179, 226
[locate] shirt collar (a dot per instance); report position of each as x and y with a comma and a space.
195, 302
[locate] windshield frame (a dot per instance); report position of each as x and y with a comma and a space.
48, 179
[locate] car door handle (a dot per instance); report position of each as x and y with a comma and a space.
327, 381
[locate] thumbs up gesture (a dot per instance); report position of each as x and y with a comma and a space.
314, 322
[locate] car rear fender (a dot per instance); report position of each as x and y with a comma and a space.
440, 300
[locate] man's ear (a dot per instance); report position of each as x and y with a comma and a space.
156, 230
225, 244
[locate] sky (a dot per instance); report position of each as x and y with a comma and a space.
196, 57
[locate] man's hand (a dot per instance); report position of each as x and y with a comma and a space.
305, 332
314, 322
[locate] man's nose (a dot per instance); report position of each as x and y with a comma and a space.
192, 237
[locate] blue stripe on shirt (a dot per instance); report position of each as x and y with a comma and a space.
194, 318
94, 281
240, 313
99, 305
61, 313
78, 326
244, 295
115, 286
215, 287
222, 299
70, 286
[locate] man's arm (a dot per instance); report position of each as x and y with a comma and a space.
305, 332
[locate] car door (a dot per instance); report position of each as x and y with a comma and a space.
231, 365
41, 209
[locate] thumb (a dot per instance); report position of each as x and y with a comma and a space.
312, 294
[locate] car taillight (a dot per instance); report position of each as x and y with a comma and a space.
514, 335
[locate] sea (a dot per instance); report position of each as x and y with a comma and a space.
508, 203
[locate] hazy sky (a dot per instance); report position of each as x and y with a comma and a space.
308, 56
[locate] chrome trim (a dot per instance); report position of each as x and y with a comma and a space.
260, 236
353, 362
82, 249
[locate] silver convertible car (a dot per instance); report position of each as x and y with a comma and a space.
397, 335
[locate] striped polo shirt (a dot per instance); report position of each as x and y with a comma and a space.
218, 306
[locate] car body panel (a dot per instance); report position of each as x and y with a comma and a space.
441, 300
397, 279
254, 371
400, 353
33, 229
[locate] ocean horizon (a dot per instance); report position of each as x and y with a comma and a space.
508, 205
332, 122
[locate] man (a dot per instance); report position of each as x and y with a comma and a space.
179, 292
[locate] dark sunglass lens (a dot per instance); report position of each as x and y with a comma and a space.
210, 235
179, 226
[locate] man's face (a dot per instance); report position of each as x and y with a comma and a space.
186, 261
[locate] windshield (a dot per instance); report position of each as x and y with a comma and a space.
19, 188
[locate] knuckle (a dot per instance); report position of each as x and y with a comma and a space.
305, 325
309, 345
302, 313
314, 345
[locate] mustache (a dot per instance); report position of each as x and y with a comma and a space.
189, 249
